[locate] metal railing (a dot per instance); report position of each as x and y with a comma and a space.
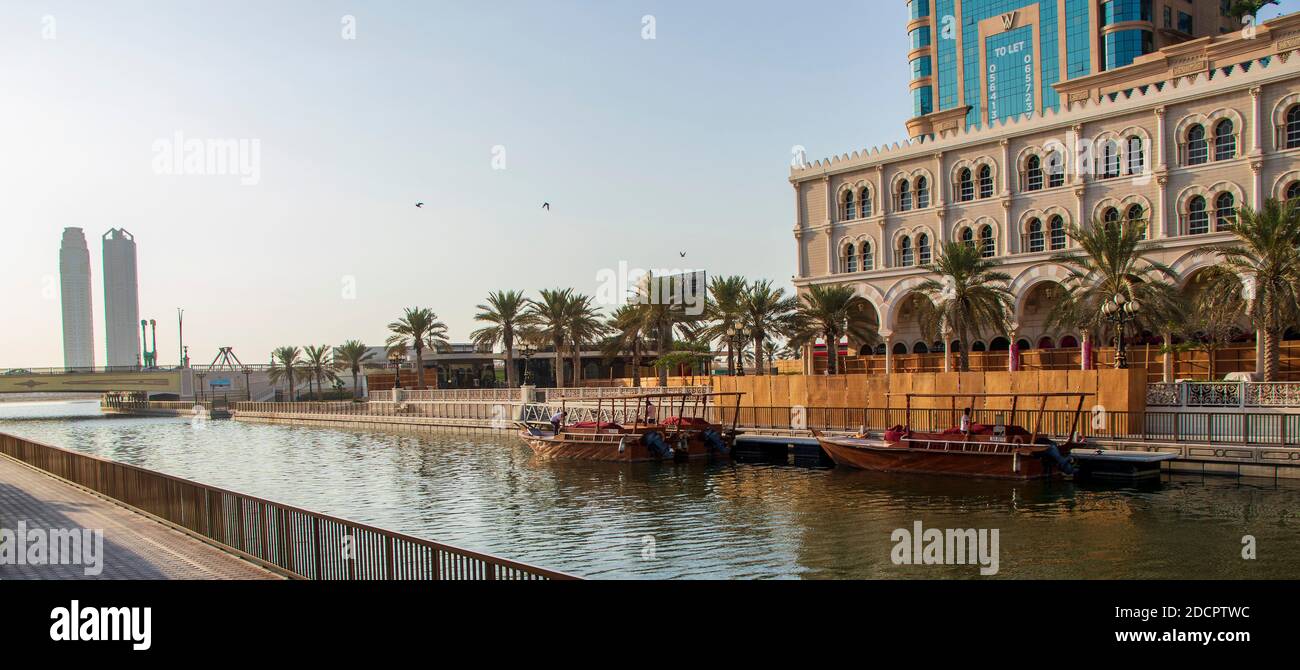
88, 370
1243, 428
448, 395
480, 411
304, 543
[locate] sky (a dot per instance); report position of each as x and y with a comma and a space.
345, 114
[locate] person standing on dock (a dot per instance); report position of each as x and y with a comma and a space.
965, 421
651, 414
557, 420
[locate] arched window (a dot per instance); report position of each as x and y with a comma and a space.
1000, 344
1292, 130
1293, 191
849, 259
1225, 141
986, 181
967, 237
1198, 149
923, 249
1023, 345
1198, 219
1056, 226
1034, 236
1110, 217
1046, 343
1109, 168
922, 192
1033, 174
965, 186
1136, 155
850, 208
1225, 211
1055, 169
978, 346
868, 258
1136, 216
864, 202
920, 348
1068, 342
900, 349
904, 195
905, 256
987, 247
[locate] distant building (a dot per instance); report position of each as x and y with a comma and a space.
121, 299
74, 279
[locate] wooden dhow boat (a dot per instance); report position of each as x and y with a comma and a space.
1002, 450
684, 434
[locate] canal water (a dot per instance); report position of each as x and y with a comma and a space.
489, 493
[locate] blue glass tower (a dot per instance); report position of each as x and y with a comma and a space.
978, 61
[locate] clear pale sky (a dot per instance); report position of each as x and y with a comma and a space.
644, 148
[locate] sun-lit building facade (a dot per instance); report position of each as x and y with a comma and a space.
1179, 139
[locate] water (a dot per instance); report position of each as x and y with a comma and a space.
489, 493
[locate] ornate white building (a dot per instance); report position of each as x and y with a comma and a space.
1178, 139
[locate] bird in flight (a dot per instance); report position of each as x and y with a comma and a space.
683, 254
420, 205
546, 206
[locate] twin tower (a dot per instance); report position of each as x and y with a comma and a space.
121, 300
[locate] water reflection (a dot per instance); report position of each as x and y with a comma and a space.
488, 492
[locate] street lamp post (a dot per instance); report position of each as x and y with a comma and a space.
1120, 311
738, 335
395, 358
528, 350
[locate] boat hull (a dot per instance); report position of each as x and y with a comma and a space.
1017, 463
605, 447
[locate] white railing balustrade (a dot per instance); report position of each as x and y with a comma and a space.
1224, 394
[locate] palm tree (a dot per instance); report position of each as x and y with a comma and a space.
550, 321
765, 311
663, 316
629, 328
723, 313
418, 328
969, 296
506, 312
319, 367
350, 356
582, 325
1241, 8
1111, 261
830, 312
285, 362
1265, 264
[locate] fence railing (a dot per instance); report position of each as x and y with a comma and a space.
496, 415
1224, 394
447, 395
1244, 428
305, 543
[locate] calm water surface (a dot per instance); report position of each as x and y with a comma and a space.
489, 493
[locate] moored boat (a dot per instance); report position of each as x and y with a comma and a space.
999, 450
686, 435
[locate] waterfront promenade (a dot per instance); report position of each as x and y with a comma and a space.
135, 546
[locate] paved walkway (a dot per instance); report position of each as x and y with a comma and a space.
134, 546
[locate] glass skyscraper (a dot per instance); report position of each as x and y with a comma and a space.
979, 61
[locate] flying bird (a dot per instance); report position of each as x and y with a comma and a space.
546, 206
419, 204
683, 254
